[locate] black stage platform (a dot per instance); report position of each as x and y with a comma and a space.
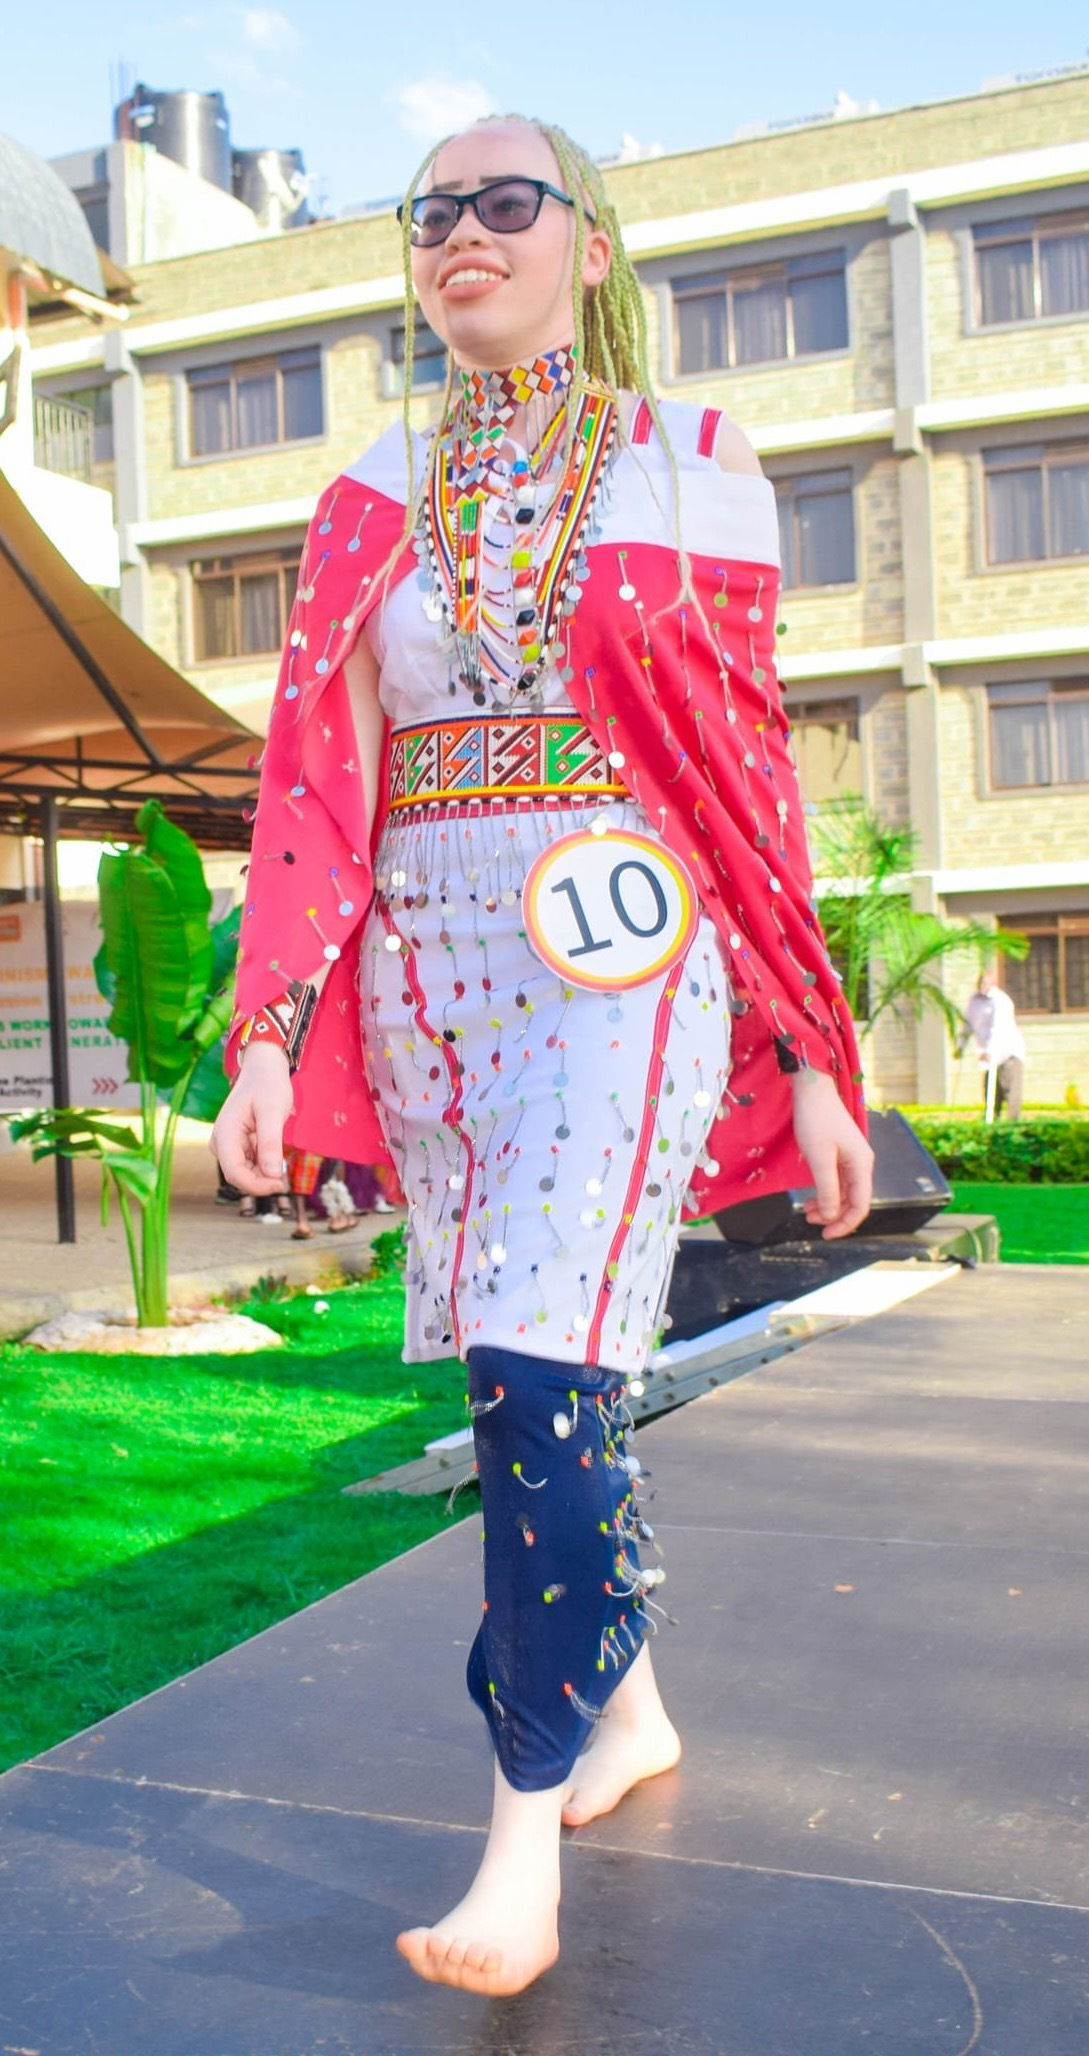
877, 1845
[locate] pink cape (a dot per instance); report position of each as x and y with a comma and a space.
685, 690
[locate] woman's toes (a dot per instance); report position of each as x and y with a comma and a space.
480, 1958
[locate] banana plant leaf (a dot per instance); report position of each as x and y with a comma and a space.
178, 856
133, 1171
148, 951
224, 940
208, 1087
70, 1131
104, 978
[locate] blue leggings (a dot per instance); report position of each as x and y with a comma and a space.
563, 1590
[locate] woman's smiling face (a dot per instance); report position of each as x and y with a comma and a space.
497, 299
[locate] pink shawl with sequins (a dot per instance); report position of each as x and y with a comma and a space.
684, 690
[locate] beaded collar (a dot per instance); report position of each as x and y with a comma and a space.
551, 510
550, 373
487, 404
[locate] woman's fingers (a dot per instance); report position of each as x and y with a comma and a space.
268, 1141
827, 1199
844, 1195
249, 1145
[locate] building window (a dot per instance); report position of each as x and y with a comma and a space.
1054, 977
816, 528
428, 358
1029, 270
241, 604
98, 402
1037, 503
255, 403
1039, 734
760, 316
827, 748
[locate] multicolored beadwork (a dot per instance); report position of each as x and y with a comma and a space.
546, 496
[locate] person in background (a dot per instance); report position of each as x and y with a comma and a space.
990, 1020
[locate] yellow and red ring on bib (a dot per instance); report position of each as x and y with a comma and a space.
608, 908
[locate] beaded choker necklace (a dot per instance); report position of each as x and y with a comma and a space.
552, 495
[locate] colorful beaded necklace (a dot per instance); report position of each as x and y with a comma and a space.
551, 509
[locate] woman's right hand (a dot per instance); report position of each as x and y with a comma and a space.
248, 1136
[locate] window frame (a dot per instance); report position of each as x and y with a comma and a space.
231, 369
284, 559
1023, 457
786, 483
1056, 689
1032, 227
808, 709
724, 279
1062, 926
393, 366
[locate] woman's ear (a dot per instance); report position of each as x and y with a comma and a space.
596, 257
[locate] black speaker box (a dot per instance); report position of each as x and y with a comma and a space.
908, 1190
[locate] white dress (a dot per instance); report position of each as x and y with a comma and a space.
544, 1135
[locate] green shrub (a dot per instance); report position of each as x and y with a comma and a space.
1034, 1152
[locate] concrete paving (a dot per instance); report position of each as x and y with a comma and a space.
878, 1839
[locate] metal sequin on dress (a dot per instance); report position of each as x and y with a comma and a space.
544, 1135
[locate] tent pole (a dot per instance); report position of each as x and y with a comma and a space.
58, 1012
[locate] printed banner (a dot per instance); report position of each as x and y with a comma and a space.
98, 1063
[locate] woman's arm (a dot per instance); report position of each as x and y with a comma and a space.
248, 1136
840, 1159
733, 450
361, 677
838, 1154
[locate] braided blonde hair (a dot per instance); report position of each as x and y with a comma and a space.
610, 321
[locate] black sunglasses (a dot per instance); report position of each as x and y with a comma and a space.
503, 208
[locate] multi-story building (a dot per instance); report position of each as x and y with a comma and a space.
896, 309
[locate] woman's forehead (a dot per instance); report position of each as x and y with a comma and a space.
499, 150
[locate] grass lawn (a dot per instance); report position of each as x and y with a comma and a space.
158, 1511
1040, 1224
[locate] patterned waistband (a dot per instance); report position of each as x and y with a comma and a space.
461, 760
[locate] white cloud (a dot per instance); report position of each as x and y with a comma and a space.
266, 28
632, 151
434, 107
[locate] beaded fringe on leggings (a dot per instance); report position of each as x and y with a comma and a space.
564, 1594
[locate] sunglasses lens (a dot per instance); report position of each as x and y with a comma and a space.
433, 216
509, 206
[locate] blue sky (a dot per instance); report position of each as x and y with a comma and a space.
362, 89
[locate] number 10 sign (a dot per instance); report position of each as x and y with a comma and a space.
608, 910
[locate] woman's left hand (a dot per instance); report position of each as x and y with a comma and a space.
837, 1152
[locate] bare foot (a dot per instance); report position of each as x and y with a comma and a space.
633, 1740
618, 1757
493, 1942
503, 1934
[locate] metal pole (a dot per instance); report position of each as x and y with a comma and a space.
58, 1012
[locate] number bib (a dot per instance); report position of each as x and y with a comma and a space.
608, 910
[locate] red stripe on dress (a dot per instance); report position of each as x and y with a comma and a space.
642, 422
705, 445
453, 1108
642, 1157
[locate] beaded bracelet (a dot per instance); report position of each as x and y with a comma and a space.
283, 1023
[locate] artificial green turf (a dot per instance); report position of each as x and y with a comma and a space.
159, 1510
1039, 1224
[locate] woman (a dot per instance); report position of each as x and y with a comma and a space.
531, 668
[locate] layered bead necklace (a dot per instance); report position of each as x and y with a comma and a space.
547, 496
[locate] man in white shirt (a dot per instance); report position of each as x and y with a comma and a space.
991, 1021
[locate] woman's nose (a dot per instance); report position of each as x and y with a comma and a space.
466, 230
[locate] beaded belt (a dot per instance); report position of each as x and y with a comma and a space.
462, 760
